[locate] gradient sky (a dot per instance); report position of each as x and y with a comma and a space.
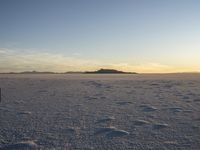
72, 35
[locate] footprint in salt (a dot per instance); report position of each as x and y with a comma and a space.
171, 144
148, 108
124, 103
24, 145
25, 113
71, 130
111, 132
104, 130
140, 122
196, 100
160, 126
106, 119
117, 133
42, 91
176, 109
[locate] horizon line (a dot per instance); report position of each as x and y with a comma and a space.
81, 72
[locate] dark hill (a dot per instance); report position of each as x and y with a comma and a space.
108, 71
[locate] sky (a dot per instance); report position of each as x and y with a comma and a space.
145, 36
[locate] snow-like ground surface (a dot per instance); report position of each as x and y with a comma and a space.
100, 112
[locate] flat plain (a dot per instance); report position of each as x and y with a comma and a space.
98, 112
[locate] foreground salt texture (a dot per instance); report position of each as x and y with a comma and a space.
100, 112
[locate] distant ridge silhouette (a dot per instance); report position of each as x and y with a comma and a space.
108, 71
100, 71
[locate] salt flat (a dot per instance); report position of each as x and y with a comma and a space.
86, 112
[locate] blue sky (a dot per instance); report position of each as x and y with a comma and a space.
131, 35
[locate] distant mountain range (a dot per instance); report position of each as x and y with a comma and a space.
100, 71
